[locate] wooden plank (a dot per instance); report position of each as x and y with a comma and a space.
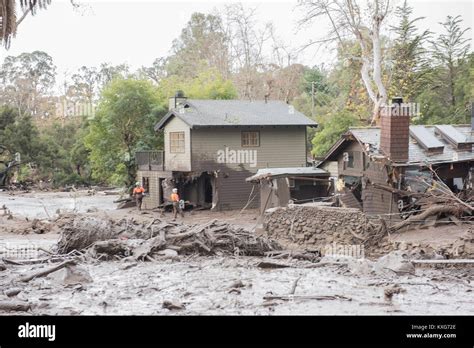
444, 262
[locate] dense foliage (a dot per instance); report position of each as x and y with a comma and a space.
90, 132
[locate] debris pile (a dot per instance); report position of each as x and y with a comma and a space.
462, 247
437, 205
107, 239
319, 226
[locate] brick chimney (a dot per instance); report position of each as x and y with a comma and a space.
395, 131
177, 100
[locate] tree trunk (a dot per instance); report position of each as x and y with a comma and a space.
377, 70
451, 84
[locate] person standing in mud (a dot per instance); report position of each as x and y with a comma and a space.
138, 193
176, 207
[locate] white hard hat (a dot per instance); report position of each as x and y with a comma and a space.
137, 183
175, 190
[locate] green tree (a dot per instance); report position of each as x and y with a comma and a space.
331, 131
85, 84
317, 77
124, 115
64, 159
450, 49
201, 45
409, 64
79, 154
108, 72
447, 97
19, 134
208, 84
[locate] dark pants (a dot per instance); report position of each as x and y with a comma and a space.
139, 200
177, 209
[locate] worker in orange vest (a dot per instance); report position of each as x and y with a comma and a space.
138, 193
175, 200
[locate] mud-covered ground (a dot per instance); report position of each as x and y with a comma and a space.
204, 285
200, 285
47, 205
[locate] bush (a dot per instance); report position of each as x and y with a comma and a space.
61, 179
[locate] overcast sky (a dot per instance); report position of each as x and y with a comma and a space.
136, 32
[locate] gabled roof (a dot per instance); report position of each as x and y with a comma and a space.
416, 153
224, 113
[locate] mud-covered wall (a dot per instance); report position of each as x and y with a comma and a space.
152, 197
316, 226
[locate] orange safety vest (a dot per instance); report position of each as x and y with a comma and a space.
174, 197
139, 190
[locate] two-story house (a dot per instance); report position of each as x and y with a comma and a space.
212, 146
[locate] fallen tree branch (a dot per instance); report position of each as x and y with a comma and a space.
33, 261
47, 271
269, 264
444, 262
433, 210
295, 284
307, 297
324, 264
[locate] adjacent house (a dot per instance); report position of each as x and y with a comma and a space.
212, 146
375, 165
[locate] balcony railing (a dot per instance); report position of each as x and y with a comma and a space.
150, 160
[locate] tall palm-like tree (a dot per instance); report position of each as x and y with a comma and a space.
8, 16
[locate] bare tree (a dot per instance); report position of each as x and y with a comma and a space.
246, 46
363, 23
283, 74
156, 72
26, 79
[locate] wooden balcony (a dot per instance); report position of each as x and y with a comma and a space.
150, 160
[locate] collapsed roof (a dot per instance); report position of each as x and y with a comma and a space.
427, 145
273, 173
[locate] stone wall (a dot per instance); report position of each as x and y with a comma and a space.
317, 226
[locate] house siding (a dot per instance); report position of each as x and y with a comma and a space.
152, 198
358, 168
177, 161
331, 167
279, 147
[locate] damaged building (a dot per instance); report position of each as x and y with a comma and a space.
212, 146
379, 170
282, 186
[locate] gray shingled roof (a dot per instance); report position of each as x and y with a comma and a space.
417, 155
212, 113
